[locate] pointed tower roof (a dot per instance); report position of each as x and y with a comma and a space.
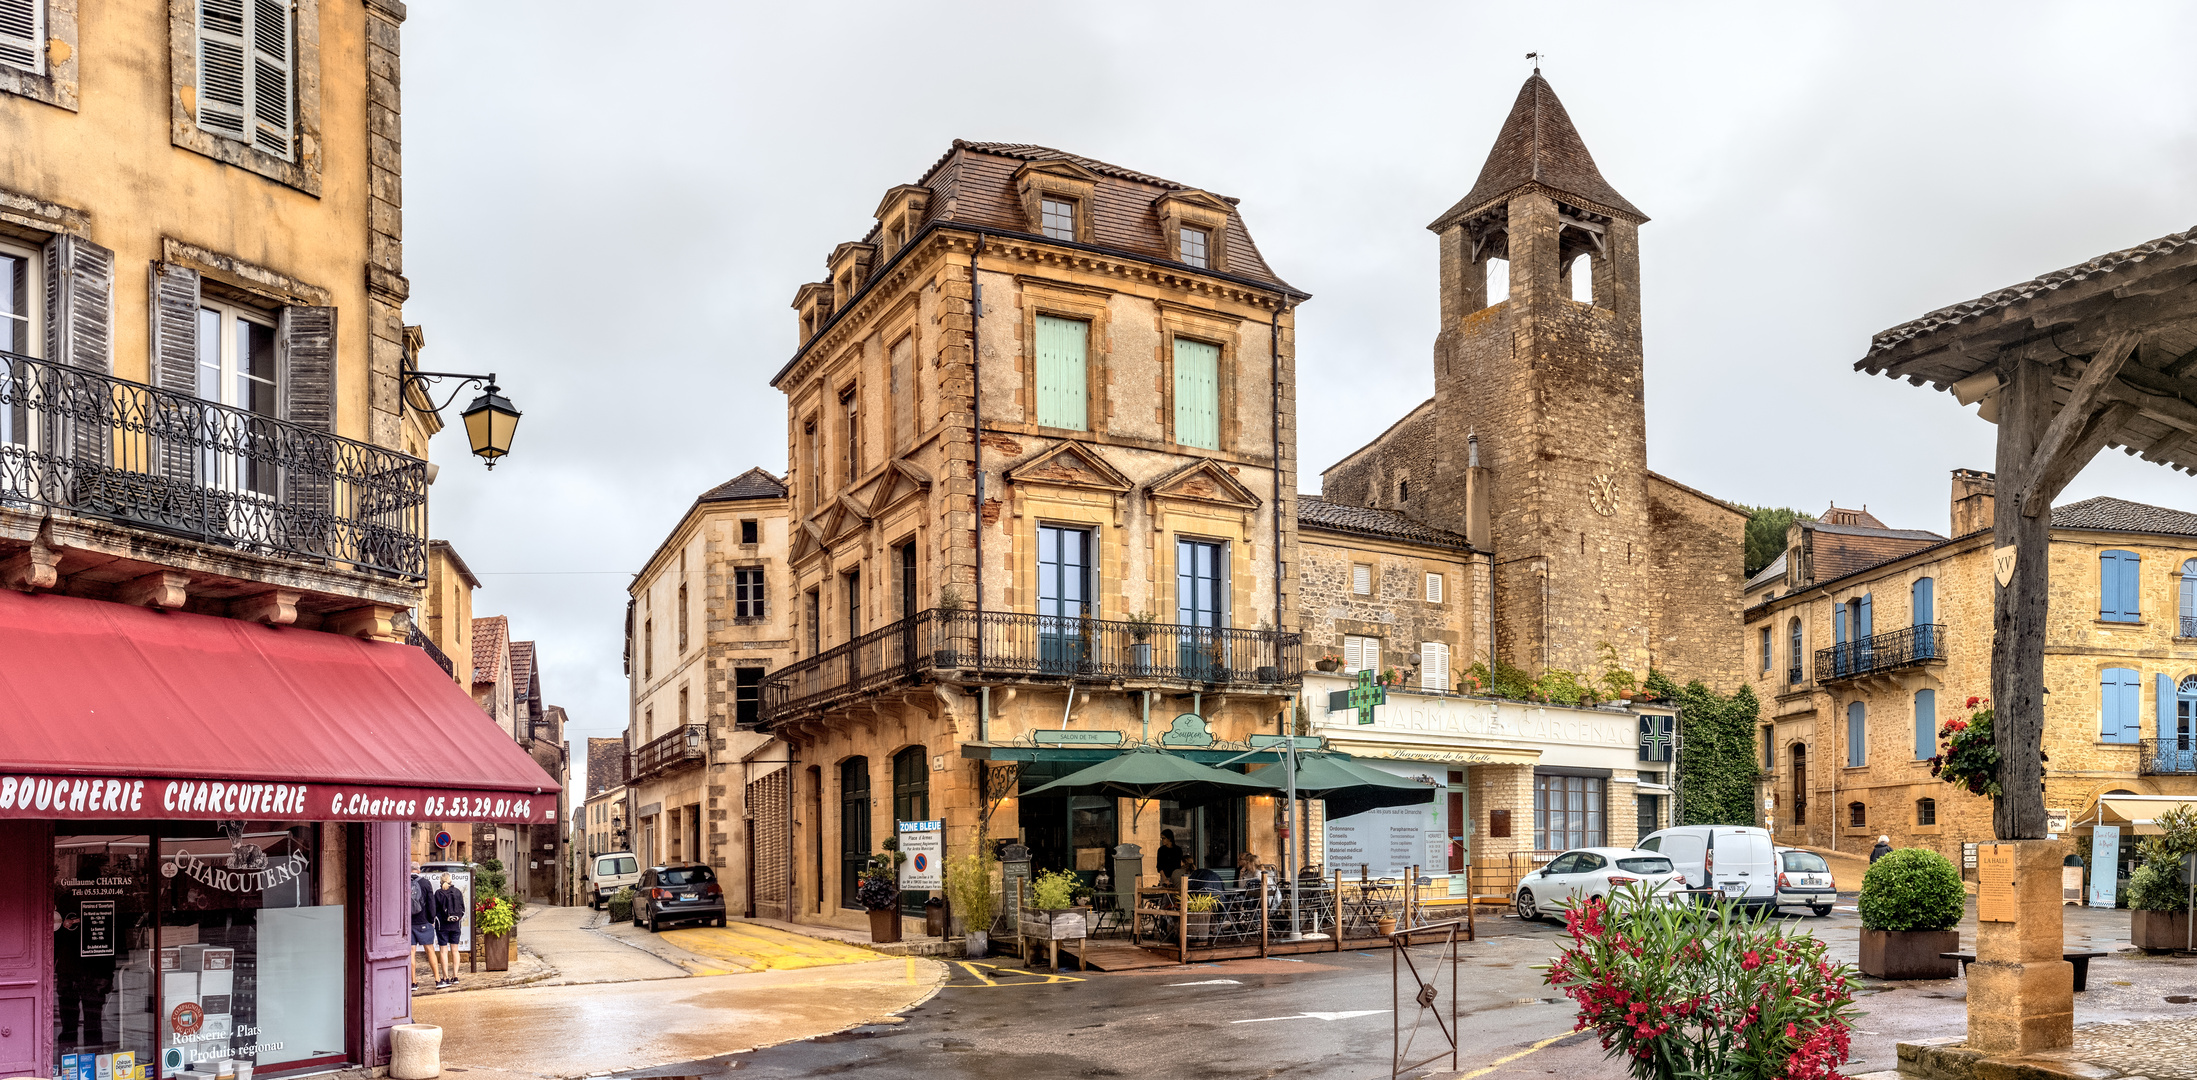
1539, 145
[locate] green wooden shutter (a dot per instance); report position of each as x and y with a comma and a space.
1197, 394
1062, 383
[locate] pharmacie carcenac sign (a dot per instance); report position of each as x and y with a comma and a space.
1510, 721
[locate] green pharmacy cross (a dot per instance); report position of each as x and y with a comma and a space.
1366, 695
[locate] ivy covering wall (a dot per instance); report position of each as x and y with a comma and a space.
1717, 751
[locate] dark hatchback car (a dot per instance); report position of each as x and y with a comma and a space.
669, 894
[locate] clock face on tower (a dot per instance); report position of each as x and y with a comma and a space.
1602, 494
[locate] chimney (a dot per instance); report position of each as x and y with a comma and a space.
1972, 500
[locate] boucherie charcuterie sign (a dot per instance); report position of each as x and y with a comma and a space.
173, 799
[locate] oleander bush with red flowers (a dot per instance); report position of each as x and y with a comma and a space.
1705, 991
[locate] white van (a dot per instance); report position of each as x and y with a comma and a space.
1737, 860
614, 870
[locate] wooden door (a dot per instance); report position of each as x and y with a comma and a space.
26, 945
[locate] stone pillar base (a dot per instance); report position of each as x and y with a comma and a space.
2021, 994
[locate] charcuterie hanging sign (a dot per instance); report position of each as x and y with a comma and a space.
169, 799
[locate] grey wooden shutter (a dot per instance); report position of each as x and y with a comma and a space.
305, 338
223, 73
80, 334
23, 35
174, 310
271, 77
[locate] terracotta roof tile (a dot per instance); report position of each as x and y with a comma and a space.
2108, 514
1318, 513
1538, 144
2014, 294
491, 635
606, 765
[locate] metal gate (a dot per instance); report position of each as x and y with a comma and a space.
1425, 953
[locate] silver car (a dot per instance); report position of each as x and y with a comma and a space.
1804, 880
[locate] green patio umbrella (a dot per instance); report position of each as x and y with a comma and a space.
1349, 787
1154, 774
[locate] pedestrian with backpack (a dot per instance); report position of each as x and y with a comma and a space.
423, 927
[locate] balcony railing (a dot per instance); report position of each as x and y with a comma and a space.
422, 642
84, 442
1792, 676
1019, 645
686, 743
2167, 757
2189, 626
1882, 652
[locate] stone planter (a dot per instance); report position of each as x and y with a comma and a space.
496, 952
885, 926
2156, 930
415, 1052
1140, 656
1909, 954
1058, 925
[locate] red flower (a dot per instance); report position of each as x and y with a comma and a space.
1749, 962
1973, 700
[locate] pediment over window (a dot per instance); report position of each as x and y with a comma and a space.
901, 480
1060, 181
1206, 481
845, 516
808, 540
1071, 464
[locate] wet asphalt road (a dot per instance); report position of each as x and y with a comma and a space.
1283, 1018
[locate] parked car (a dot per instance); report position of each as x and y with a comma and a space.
1585, 874
614, 870
684, 893
1804, 880
1736, 860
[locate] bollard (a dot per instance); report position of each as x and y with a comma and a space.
415, 1052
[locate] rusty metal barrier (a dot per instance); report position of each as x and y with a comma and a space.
1426, 992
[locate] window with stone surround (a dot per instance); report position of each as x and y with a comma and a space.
2120, 580
747, 593
1361, 579
38, 50
750, 531
1434, 588
246, 85
2188, 598
1926, 811
23, 35
1057, 218
1926, 724
1765, 650
1192, 246
1360, 653
1434, 665
1857, 815
1793, 664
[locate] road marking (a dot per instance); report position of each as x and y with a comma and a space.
911, 971
1330, 1016
1500, 1062
1210, 982
983, 974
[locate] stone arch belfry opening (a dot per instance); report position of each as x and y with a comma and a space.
1552, 387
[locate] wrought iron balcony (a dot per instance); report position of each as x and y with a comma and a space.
1014, 645
1793, 676
422, 642
2189, 626
687, 744
1882, 652
87, 443
2167, 757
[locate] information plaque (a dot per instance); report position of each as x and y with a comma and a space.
1995, 883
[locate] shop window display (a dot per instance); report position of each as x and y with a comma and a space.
102, 956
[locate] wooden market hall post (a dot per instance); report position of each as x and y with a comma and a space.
2099, 354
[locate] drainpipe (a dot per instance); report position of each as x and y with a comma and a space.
1274, 324
976, 430
1147, 716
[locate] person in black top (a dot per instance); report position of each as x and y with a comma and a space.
1169, 857
423, 926
1883, 848
449, 926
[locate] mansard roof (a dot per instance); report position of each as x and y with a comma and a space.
1539, 145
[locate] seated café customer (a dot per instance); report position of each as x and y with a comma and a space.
1201, 880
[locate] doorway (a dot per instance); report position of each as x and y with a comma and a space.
1212, 834
1800, 783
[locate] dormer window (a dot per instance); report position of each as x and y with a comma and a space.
1192, 247
1057, 219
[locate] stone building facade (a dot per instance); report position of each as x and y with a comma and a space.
1041, 427
1866, 662
711, 617
1534, 446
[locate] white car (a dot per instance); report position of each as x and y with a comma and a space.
613, 871
1804, 880
1735, 860
1584, 874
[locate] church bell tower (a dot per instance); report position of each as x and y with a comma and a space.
1550, 387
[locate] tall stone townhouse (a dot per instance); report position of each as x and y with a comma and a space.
213, 540
1864, 640
1512, 519
1041, 425
709, 619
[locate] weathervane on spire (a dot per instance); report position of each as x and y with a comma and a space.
1536, 58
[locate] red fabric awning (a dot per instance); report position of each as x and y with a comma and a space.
112, 711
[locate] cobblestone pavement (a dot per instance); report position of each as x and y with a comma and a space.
2159, 1049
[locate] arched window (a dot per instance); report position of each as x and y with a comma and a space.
1793, 664
1857, 815
854, 826
1926, 811
1926, 724
2188, 628
1857, 735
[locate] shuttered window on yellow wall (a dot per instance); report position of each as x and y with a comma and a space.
1197, 394
1063, 387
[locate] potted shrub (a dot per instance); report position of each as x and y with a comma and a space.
1140, 639
1051, 914
1707, 991
878, 891
2158, 902
493, 921
1329, 662
969, 891
1197, 916
950, 606
1911, 900
621, 905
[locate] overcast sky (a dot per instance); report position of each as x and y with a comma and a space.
613, 215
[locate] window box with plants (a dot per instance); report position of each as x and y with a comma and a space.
2158, 902
1911, 900
1051, 914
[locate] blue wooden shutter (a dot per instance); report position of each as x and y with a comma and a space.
1838, 625
1926, 722
1062, 382
1857, 735
2132, 566
2120, 705
2119, 576
2164, 710
1197, 394
1864, 629
1925, 601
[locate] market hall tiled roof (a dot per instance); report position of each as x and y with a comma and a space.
1539, 145
1955, 314
1314, 512
2108, 514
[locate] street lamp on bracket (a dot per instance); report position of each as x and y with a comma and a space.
489, 421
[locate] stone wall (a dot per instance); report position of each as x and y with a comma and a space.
1398, 611
1402, 454
1699, 548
